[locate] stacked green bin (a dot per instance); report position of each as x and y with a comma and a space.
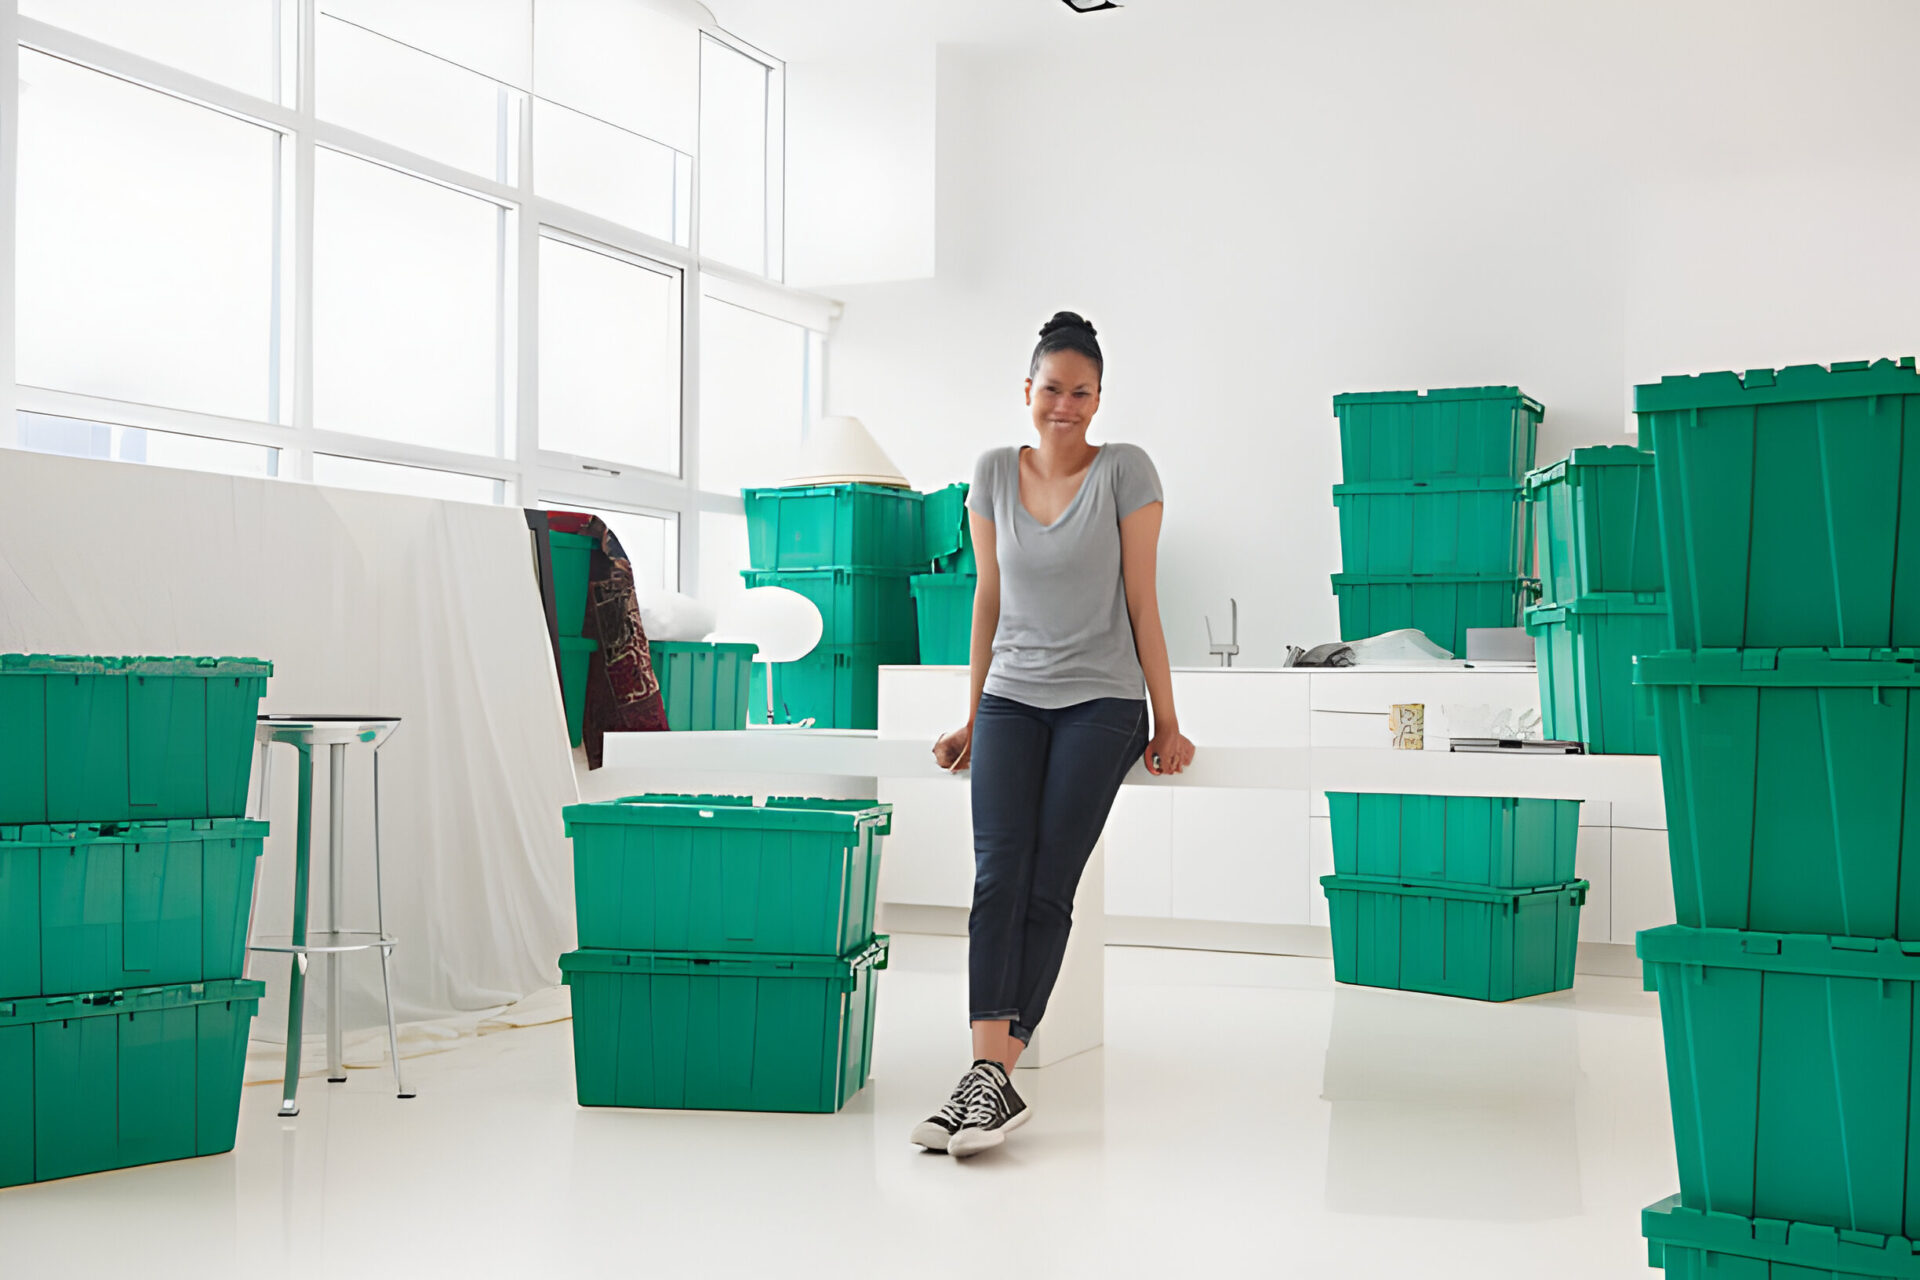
727, 953
92, 739
1435, 533
945, 604
851, 549
572, 562
943, 598
126, 878
1785, 715
1470, 896
704, 685
1603, 605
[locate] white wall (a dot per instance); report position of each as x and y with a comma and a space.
1262, 203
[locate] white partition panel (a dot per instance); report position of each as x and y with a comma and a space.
1140, 853
1240, 855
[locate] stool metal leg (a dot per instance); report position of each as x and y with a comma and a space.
336, 891
386, 952
297, 978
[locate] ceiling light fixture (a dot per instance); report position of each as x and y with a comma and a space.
1089, 6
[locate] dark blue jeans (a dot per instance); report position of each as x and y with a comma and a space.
1043, 784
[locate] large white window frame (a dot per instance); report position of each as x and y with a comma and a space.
529, 473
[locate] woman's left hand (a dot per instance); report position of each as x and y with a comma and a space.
1169, 752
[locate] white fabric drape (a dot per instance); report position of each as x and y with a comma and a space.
366, 604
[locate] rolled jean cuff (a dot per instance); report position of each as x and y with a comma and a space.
1023, 1034
995, 1015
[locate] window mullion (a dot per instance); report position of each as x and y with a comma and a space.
303, 150
9, 184
527, 341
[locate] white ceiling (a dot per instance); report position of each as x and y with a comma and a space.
797, 30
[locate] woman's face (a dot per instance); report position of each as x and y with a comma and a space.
1064, 394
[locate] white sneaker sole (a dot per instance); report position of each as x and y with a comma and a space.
971, 1142
931, 1136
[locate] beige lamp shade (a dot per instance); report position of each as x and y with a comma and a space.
840, 451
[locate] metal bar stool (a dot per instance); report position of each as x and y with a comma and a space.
336, 733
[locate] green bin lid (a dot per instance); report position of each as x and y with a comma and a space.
90, 665
840, 573
1439, 393
701, 646
1805, 1246
150, 831
1598, 602
728, 964
1807, 953
780, 813
1456, 892
1415, 579
1843, 379
1438, 484
828, 490
1781, 668
955, 582
95, 1004
1600, 455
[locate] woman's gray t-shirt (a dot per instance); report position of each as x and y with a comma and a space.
1065, 636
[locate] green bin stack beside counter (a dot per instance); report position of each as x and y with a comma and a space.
1435, 529
1469, 896
727, 956
852, 550
126, 879
1602, 596
1785, 709
943, 597
703, 684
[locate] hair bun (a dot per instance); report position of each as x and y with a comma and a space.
1067, 320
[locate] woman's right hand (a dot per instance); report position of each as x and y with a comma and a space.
954, 751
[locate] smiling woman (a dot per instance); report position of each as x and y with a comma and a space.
1066, 632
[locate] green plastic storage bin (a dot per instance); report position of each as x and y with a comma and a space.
121, 1078
1453, 940
1784, 504
722, 1033
720, 874
1584, 650
1423, 435
1442, 606
704, 685
1691, 1244
836, 686
1792, 782
576, 657
87, 739
1478, 841
91, 907
1790, 1065
857, 606
1464, 525
949, 536
572, 561
829, 526
1599, 523
945, 601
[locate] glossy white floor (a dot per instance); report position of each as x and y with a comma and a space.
1246, 1118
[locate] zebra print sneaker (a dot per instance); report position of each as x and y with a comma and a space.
994, 1110
938, 1129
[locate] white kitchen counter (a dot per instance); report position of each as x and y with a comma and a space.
1234, 848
